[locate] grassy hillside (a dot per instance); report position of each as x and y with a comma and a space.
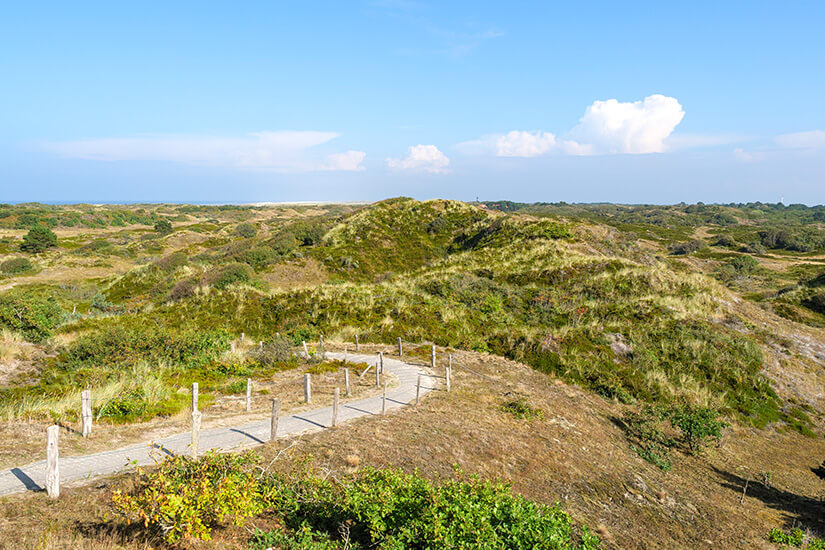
672, 319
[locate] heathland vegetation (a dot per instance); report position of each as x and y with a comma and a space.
688, 321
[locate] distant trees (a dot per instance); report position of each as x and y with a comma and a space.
38, 239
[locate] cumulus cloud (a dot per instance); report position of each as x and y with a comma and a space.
613, 126
285, 151
607, 127
421, 158
524, 144
802, 140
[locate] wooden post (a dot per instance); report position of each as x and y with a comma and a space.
52, 462
260, 345
381, 361
232, 347
384, 400
377, 375
400, 350
321, 341
356, 343
335, 397
243, 337
418, 389
196, 432
248, 395
86, 412
346, 382
432, 358
194, 396
346, 351
273, 422
449, 371
307, 388
306, 349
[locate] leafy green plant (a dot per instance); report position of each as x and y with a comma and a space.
186, 498
648, 437
34, 316
698, 425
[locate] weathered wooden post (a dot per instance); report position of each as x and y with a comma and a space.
321, 341
194, 396
196, 432
232, 346
273, 422
86, 412
418, 389
381, 361
335, 398
432, 358
260, 345
307, 388
52, 462
243, 337
248, 395
346, 351
377, 375
306, 349
384, 400
449, 373
356, 343
400, 349
346, 382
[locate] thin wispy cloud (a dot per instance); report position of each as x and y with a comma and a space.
279, 151
814, 139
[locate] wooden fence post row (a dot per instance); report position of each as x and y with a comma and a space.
306, 350
377, 375
52, 462
384, 400
86, 412
381, 361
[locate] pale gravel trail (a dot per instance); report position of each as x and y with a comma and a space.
251, 434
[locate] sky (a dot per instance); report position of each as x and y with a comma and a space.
629, 102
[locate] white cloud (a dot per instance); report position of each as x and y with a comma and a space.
623, 127
607, 127
524, 144
802, 140
421, 158
284, 151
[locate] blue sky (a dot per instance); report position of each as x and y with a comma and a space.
534, 101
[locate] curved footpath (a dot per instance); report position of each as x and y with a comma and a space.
32, 476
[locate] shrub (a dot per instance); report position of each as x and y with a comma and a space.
38, 240
647, 436
226, 275
164, 227
744, 265
14, 266
816, 302
246, 230
185, 498
182, 290
520, 408
35, 317
682, 249
697, 424
275, 351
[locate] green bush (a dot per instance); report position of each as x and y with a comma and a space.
520, 408
32, 315
744, 265
697, 424
246, 230
229, 274
14, 266
164, 227
186, 498
38, 240
682, 249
